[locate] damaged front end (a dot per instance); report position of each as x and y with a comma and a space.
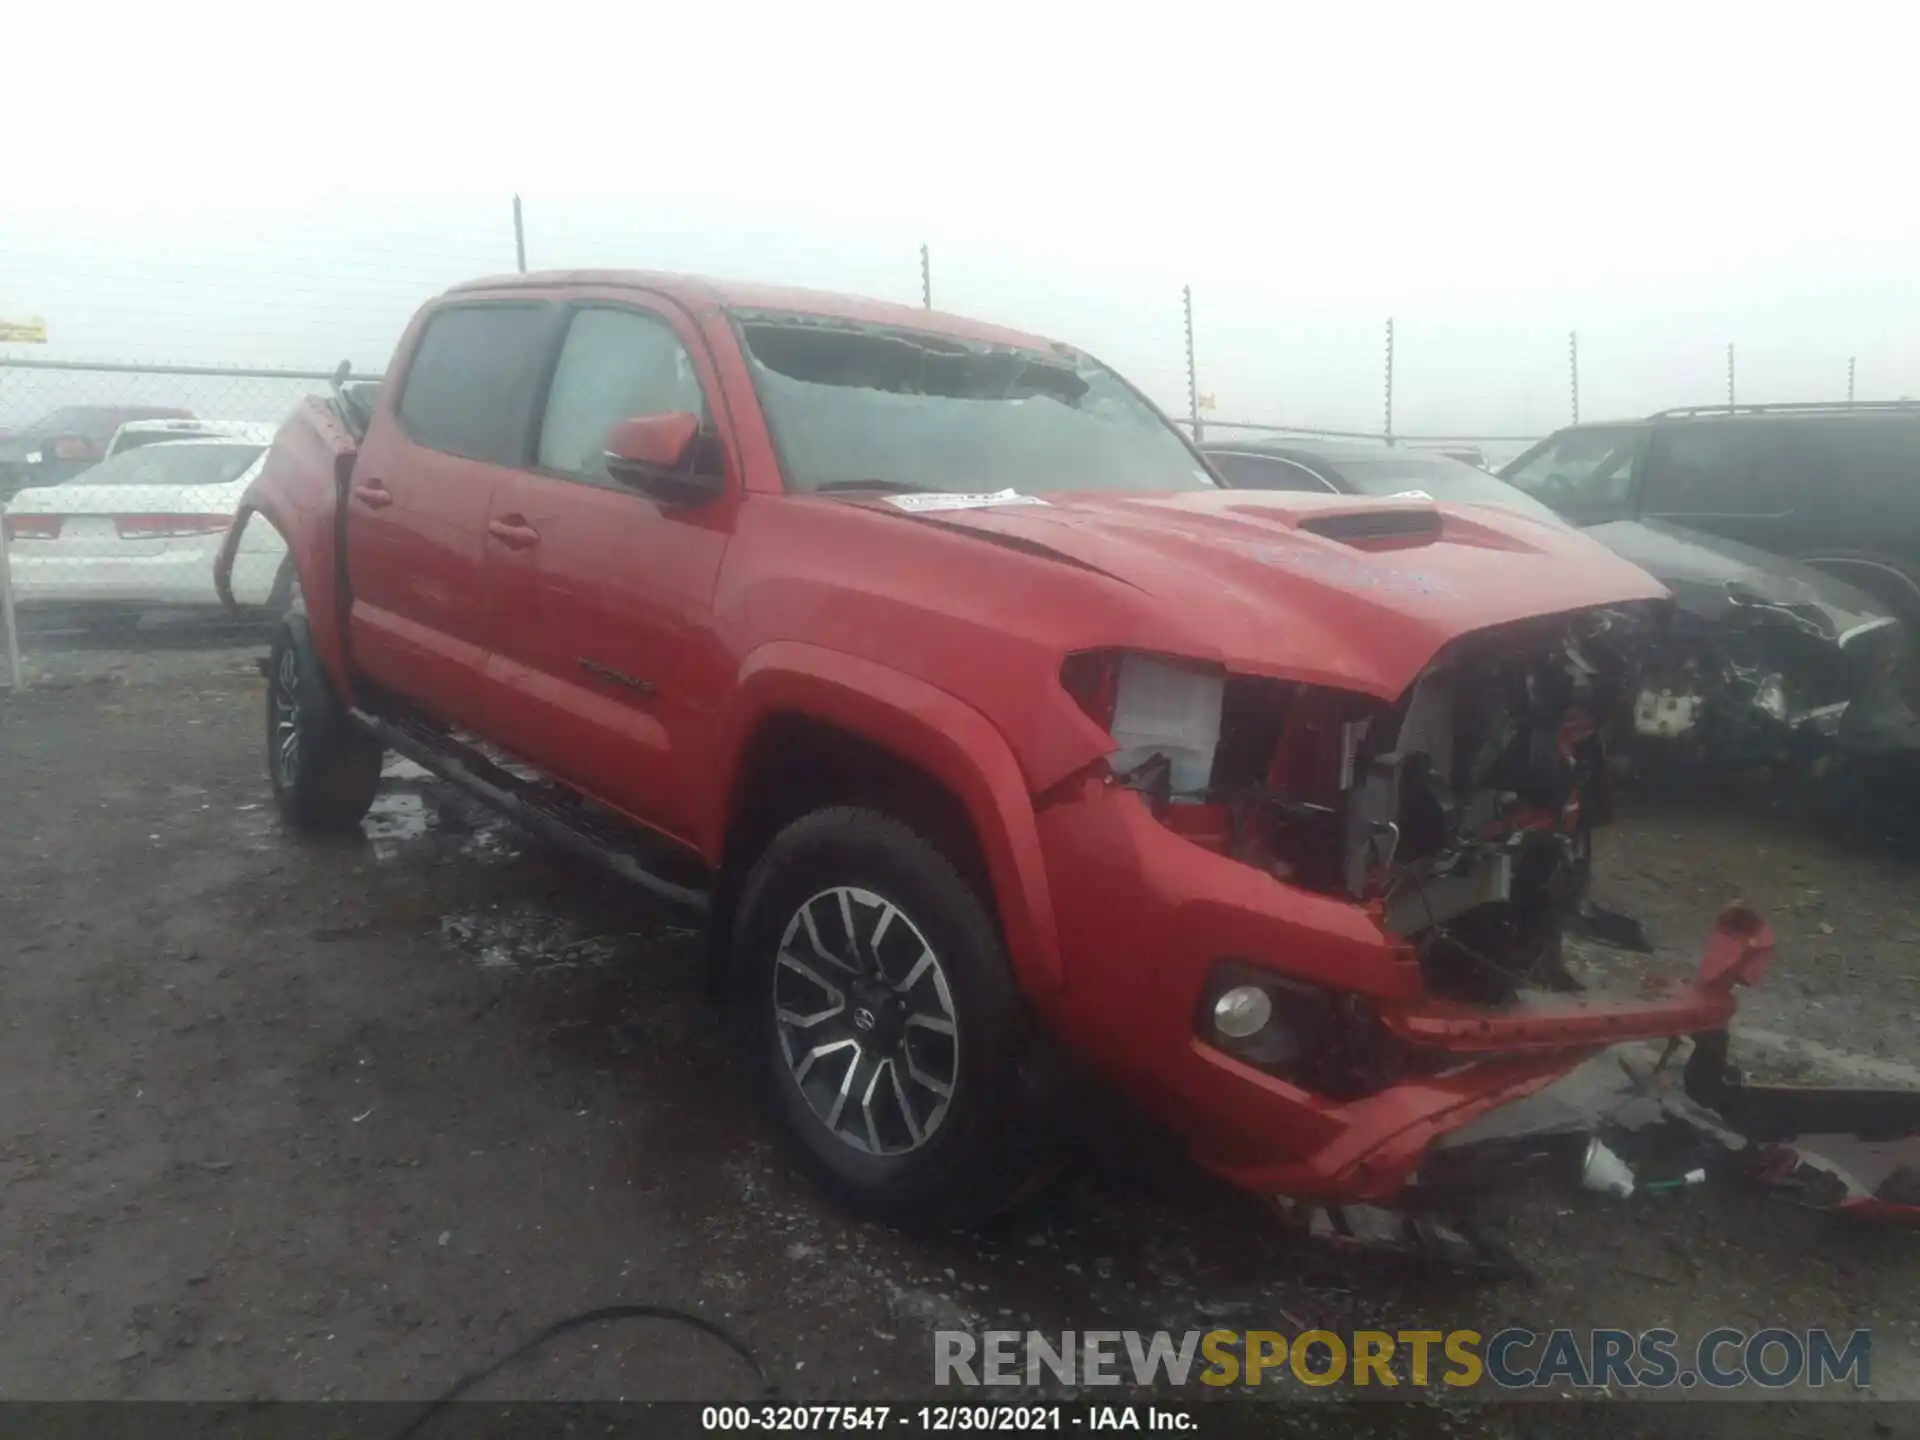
1401, 971
1460, 817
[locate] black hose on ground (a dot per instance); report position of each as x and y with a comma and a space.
585, 1318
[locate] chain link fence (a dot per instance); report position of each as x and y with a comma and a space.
120, 483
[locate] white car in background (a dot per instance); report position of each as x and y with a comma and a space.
144, 525
136, 433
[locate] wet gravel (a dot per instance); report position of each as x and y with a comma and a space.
292, 1120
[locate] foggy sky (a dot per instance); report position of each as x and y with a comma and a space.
283, 185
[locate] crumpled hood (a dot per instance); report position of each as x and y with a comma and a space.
1265, 583
1711, 577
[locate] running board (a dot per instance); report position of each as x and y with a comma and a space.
531, 805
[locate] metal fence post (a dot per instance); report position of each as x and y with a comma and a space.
1388, 436
1573, 369
1193, 373
18, 676
926, 277
519, 236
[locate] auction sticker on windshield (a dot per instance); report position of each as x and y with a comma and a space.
937, 500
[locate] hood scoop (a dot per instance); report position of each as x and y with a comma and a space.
1372, 527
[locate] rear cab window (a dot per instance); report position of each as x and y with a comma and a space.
474, 378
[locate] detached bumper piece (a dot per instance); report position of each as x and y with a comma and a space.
1852, 1150
1855, 1151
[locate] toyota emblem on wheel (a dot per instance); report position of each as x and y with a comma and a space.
863, 1020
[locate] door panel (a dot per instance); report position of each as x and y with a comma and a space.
605, 670
415, 561
1733, 478
421, 497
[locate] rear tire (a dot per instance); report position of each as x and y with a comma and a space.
920, 996
324, 767
286, 582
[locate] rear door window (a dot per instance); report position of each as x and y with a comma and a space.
1868, 461
471, 387
1706, 467
615, 364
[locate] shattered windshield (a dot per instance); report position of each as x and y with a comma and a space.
857, 406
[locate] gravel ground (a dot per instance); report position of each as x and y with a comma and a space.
289, 1120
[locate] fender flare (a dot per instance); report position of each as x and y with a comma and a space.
926, 727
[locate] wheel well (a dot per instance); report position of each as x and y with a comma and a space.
1890, 582
795, 765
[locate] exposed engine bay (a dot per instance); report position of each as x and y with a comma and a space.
1463, 814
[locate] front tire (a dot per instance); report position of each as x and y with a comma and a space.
324, 767
886, 1032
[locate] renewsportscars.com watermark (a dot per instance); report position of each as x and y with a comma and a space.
1510, 1359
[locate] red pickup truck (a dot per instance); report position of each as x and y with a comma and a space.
932, 664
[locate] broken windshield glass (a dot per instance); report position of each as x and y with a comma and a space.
849, 402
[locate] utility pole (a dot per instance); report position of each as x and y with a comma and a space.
926, 277
1850, 360
1193, 373
1573, 370
1729, 375
1389, 425
519, 237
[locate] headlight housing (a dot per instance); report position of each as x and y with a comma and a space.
1153, 707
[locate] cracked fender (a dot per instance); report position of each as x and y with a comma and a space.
929, 728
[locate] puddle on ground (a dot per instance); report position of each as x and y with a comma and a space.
415, 815
525, 939
396, 817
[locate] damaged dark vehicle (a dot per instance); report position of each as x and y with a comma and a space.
1761, 661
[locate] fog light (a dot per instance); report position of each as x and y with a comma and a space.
1242, 1011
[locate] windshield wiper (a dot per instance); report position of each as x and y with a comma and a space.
874, 484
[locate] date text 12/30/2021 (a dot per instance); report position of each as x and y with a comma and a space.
941, 1419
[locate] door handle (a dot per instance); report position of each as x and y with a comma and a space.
514, 533
373, 494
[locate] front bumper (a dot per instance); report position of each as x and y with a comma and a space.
1145, 915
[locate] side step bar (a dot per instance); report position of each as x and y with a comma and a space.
529, 805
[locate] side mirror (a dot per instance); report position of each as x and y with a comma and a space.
659, 455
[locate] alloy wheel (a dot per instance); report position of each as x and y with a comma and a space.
866, 1021
283, 698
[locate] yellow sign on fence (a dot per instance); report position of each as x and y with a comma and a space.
30, 331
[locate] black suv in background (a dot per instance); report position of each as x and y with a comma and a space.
1835, 486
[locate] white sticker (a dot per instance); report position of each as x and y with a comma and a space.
1409, 495
937, 500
